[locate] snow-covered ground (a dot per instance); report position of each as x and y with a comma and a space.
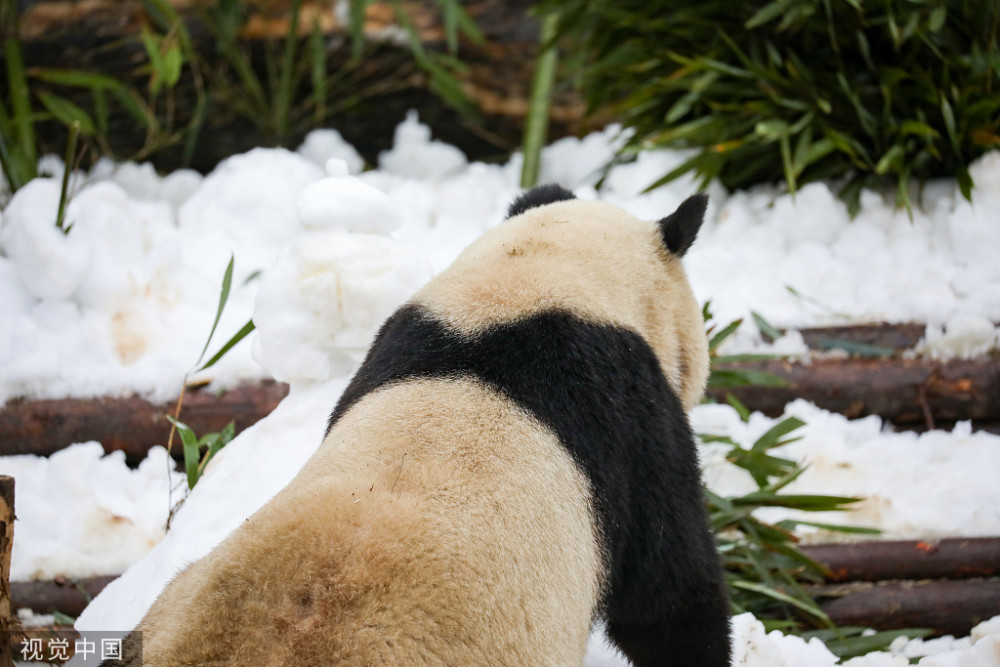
123, 304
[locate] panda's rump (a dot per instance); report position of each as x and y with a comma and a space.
461, 524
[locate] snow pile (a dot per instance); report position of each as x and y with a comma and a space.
81, 509
941, 484
124, 301
319, 306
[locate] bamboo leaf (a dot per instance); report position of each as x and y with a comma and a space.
810, 608
227, 283
189, 443
244, 331
68, 113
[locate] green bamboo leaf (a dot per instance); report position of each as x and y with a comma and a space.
536, 124
68, 161
766, 14
227, 283
804, 502
357, 26
964, 182
173, 62
948, 115
189, 442
892, 160
807, 606
132, 103
768, 330
855, 348
151, 43
937, 17
244, 331
75, 78
771, 130
742, 410
68, 113
791, 524
21, 114
101, 112
721, 378
317, 71
725, 333
284, 95
786, 162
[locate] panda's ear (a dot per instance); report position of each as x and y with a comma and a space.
540, 195
679, 229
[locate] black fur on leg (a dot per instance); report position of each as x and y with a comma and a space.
694, 633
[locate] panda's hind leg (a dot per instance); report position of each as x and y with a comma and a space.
694, 634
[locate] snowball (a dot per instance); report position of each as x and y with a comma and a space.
415, 155
51, 264
322, 145
318, 308
246, 207
178, 186
346, 203
964, 336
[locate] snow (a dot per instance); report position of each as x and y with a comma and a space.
86, 509
943, 484
145, 253
323, 253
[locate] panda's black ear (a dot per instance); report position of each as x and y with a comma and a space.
679, 229
540, 195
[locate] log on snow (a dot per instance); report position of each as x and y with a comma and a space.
948, 607
954, 558
132, 424
897, 337
69, 596
902, 391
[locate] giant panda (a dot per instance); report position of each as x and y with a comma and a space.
511, 462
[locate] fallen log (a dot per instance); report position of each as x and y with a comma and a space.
131, 424
949, 607
902, 391
896, 337
877, 560
68, 596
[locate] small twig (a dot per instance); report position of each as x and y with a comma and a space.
398, 473
924, 405
170, 460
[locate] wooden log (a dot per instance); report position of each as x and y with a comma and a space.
949, 607
132, 424
7, 623
902, 391
897, 337
69, 596
877, 560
